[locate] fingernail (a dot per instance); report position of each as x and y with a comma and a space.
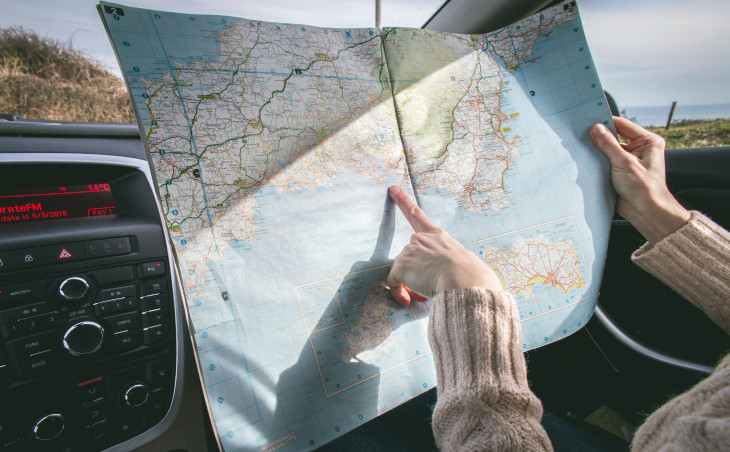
599, 129
394, 189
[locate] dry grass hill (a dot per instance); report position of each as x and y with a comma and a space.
43, 79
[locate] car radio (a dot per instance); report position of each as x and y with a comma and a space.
89, 329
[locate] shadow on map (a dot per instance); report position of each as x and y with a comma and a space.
305, 400
357, 402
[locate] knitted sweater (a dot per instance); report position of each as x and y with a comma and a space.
484, 402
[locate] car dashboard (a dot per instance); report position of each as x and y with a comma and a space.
92, 333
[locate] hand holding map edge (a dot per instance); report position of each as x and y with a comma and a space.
433, 261
638, 175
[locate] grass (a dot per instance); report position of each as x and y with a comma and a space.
44, 79
695, 133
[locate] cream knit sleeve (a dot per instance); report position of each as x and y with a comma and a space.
484, 402
695, 262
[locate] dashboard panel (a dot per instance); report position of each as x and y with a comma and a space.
91, 322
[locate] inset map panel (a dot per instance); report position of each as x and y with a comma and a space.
542, 265
357, 330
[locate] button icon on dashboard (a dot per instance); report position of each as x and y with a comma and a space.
30, 257
64, 252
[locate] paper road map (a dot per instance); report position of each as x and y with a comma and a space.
273, 147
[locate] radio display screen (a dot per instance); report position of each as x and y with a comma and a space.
40, 204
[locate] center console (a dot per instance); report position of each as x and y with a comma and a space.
90, 324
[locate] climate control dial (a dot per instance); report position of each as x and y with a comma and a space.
48, 427
136, 395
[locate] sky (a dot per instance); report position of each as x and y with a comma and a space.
647, 52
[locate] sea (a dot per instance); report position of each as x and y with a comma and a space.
657, 116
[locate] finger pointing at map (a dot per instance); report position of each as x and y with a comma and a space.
433, 261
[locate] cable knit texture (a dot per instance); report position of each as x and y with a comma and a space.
484, 402
695, 262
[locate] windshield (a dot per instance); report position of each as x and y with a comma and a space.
649, 54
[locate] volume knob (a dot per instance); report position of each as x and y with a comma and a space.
83, 338
73, 288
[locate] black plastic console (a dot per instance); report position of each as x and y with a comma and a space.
90, 324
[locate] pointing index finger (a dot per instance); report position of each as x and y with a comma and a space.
414, 214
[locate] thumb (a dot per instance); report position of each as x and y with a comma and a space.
604, 140
397, 288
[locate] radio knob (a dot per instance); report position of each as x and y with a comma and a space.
48, 427
83, 338
136, 395
73, 288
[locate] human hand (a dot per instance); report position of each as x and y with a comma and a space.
638, 175
433, 262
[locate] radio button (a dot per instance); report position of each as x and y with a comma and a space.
122, 304
38, 323
35, 366
67, 252
130, 303
155, 333
156, 317
123, 322
125, 341
10, 330
11, 315
149, 269
103, 308
113, 275
118, 292
32, 290
26, 347
153, 286
152, 302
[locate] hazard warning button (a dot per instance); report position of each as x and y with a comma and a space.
66, 252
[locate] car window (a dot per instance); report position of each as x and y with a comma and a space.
60, 65
649, 55
653, 53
